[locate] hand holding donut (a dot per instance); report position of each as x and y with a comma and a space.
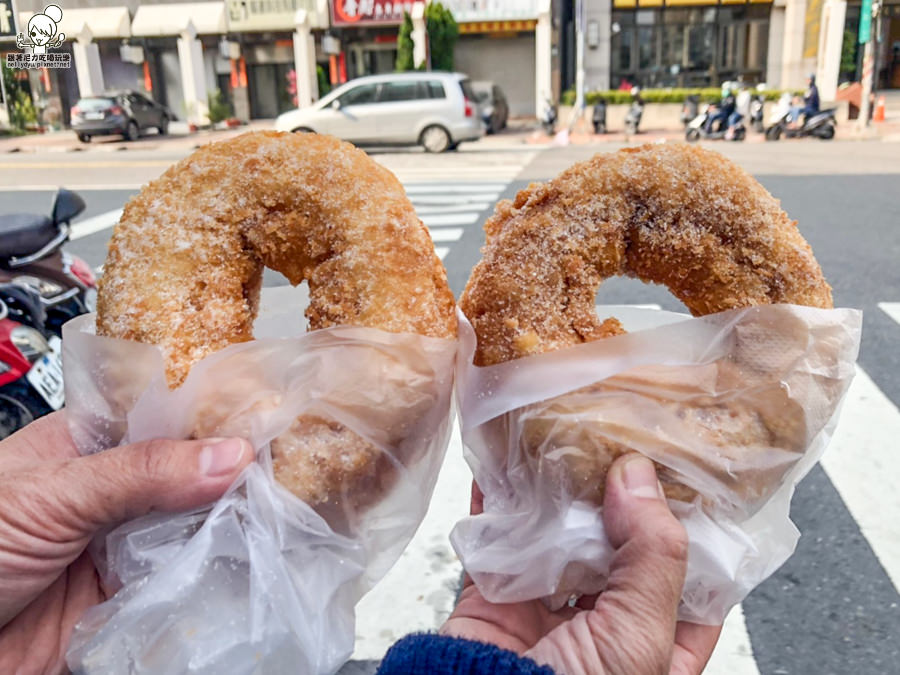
631, 626
55, 501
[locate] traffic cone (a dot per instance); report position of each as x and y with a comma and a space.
878, 115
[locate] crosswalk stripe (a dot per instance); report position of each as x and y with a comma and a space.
443, 188
733, 654
447, 234
421, 588
465, 218
461, 199
450, 208
441, 251
95, 224
892, 309
861, 463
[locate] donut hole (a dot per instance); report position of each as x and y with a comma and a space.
629, 291
282, 308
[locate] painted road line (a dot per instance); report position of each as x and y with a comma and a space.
733, 654
441, 251
861, 462
465, 218
444, 188
105, 164
419, 592
445, 234
469, 201
451, 208
77, 188
892, 309
95, 224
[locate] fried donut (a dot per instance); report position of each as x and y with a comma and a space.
669, 214
185, 265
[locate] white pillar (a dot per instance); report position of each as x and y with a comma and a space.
543, 86
305, 60
87, 63
792, 62
419, 34
831, 41
193, 79
776, 45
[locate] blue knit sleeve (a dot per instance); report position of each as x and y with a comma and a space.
430, 654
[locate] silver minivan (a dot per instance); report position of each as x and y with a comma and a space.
435, 110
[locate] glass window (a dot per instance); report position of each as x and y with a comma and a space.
434, 89
646, 45
364, 93
673, 46
398, 91
622, 43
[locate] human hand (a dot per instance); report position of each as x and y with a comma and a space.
631, 626
52, 501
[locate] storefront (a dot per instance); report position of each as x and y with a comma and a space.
887, 45
367, 35
663, 43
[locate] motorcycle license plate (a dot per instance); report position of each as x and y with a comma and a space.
46, 376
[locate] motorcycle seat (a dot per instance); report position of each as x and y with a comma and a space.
24, 233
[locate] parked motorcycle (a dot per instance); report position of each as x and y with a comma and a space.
635, 112
690, 109
821, 125
696, 128
31, 256
756, 114
598, 117
31, 380
549, 117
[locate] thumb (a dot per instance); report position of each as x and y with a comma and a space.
125, 482
647, 572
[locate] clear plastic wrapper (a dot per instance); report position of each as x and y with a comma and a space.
735, 407
259, 582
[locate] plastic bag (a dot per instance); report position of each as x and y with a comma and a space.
693, 394
260, 582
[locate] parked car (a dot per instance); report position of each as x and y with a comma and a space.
434, 110
118, 112
494, 107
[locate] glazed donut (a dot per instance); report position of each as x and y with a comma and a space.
185, 265
668, 214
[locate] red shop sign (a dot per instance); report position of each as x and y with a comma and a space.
367, 12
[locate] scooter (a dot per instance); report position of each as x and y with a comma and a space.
821, 125
549, 117
31, 378
689, 109
633, 116
598, 117
31, 256
696, 129
756, 114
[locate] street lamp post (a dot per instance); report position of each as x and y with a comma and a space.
868, 13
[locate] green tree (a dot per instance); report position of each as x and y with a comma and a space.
405, 45
443, 31
19, 104
848, 53
219, 110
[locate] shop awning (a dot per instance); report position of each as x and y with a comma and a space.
497, 26
104, 22
172, 19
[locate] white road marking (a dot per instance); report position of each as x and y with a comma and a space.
419, 592
892, 309
466, 218
76, 188
861, 462
445, 188
468, 201
733, 654
451, 208
95, 224
445, 234
441, 251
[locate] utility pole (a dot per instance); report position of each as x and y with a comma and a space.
579, 56
867, 13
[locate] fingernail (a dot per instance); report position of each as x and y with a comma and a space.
640, 479
222, 456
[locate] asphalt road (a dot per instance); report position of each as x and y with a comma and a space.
834, 607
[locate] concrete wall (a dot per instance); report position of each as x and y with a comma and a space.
507, 61
596, 59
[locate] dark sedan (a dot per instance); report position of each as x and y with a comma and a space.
125, 112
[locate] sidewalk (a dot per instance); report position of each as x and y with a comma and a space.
178, 138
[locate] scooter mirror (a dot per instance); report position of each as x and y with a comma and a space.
66, 206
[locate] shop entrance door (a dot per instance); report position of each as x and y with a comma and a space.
269, 95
